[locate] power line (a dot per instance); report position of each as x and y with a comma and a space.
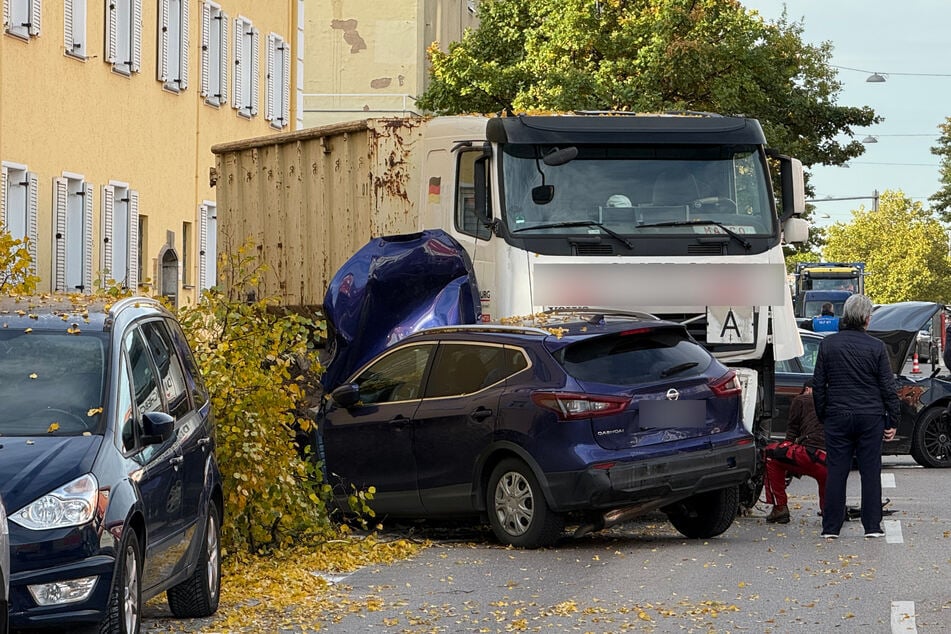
859, 70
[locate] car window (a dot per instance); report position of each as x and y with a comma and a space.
466, 368
147, 395
811, 351
636, 357
130, 428
50, 381
787, 366
396, 377
192, 373
170, 370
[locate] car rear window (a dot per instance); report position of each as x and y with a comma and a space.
50, 382
637, 357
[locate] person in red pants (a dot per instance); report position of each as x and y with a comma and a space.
801, 453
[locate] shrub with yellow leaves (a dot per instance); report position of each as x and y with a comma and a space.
16, 265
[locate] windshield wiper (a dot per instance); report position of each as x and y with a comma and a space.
701, 221
581, 223
678, 368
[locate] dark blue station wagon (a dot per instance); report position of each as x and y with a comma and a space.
107, 464
595, 421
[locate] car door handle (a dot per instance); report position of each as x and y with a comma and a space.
204, 442
399, 422
176, 462
480, 414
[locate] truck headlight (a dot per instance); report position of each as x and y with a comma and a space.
72, 504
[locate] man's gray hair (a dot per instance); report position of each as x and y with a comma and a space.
855, 312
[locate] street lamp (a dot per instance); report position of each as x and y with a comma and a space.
876, 78
870, 139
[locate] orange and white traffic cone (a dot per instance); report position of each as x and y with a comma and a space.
914, 365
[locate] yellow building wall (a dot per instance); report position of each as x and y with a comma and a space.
366, 58
60, 114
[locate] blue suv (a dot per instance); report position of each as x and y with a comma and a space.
593, 420
107, 464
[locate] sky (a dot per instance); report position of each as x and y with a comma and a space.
908, 43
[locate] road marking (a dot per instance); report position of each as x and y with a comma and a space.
893, 532
903, 617
888, 480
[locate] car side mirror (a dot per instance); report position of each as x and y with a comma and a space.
347, 395
159, 427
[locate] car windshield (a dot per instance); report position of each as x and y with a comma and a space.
50, 382
631, 359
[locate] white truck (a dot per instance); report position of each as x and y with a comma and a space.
672, 214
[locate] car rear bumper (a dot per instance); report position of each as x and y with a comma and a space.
665, 479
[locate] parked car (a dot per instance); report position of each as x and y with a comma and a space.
922, 432
108, 464
596, 420
4, 571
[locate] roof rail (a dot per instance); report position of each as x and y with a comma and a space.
486, 328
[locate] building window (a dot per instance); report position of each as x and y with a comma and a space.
18, 204
278, 109
21, 18
214, 54
207, 245
120, 236
173, 44
72, 234
124, 35
74, 28
246, 62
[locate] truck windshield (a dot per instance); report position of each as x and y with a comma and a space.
637, 192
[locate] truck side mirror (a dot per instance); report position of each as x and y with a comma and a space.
795, 230
480, 181
794, 188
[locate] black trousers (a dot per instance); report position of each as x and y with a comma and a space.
851, 435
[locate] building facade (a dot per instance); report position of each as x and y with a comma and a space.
107, 115
367, 58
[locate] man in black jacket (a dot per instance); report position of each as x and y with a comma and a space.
856, 400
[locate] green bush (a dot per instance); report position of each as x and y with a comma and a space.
16, 266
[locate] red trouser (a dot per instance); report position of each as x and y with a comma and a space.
787, 457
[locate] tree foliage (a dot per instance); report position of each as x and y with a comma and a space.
941, 199
905, 250
16, 265
258, 364
649, 56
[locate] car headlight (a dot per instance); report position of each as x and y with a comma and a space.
72, 504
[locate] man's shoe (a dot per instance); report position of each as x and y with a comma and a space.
875, 534
830, 535
779, 515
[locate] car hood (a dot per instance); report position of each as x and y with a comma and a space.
392, 287
898, 325
31, 467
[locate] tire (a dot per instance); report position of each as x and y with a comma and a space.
124, 610
518, 512
931, 440
705, 514
198, 595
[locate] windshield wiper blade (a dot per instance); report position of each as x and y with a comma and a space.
678, 368
701, 221
581, 223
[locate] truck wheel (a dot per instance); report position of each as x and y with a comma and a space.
518, 512
931, 440
705, 514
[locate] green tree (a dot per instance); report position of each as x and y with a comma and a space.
16, 265
648, 56
941, 200
905, 250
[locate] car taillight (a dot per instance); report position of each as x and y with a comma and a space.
726, 385
572, 406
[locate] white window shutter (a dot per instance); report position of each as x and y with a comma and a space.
87, 237
255, 65
285, 87
238, 100
163, 36
202, 246
68, 39
135, 64
133, 259
183, 53
112, 34
270, 102
205, 81
36, 16
32, 209
223, 83
6, 14
3, 196
108, 211
60, 197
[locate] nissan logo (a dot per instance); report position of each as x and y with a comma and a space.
672, 394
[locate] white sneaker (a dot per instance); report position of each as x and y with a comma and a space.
831, 535
874, 534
